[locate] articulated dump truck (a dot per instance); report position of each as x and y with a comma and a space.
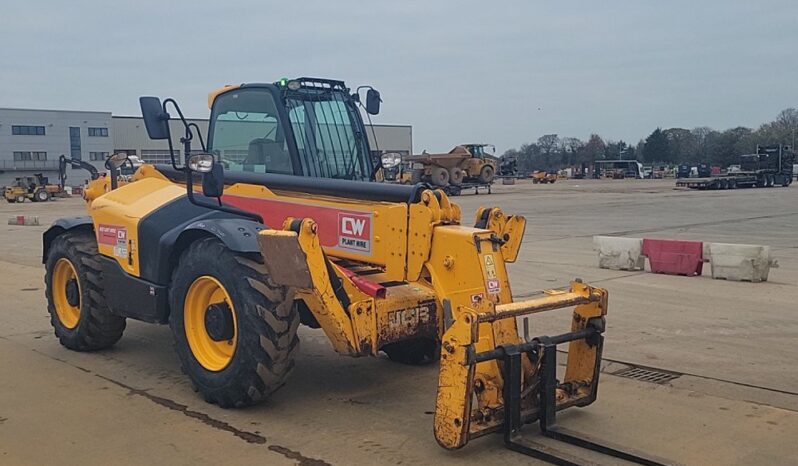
239, 243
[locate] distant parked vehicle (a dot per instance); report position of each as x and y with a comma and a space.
770, 166
618, 169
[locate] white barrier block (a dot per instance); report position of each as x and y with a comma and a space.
619, 253
748, 262
23, 220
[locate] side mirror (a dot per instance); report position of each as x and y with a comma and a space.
212, 174
373, 101
156, 120
116, 160
213, 181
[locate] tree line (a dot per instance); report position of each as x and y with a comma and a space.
671, 146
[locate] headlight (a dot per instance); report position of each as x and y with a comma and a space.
202, 163
391, 160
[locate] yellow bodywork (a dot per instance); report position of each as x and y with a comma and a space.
419, 274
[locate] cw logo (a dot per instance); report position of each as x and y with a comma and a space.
353, 226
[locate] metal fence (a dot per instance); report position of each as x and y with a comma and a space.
20, 165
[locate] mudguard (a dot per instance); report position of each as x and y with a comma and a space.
60, 226
239, 235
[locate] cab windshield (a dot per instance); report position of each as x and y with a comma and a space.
328, 134
248, 135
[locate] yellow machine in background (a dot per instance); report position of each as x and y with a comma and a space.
35, 188
466, 163
543, 177
264, 244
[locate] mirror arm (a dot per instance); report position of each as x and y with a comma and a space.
221, 207
114, 176
199, 135
188, 133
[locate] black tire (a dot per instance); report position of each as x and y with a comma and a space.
486, 174
41, 196
456, 176
97, 326
19, 198
416, 175
267, 322
414, 352
439, 176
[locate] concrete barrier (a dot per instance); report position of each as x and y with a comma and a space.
674, 257
740, 262
23, 220
619, 253
508, 180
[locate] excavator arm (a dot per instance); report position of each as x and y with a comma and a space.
63, 161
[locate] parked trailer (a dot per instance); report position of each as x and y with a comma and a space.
770, 166
732, 181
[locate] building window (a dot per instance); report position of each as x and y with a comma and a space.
98, 132
26, 156
98, 156
158, 156
27, 130
125, 151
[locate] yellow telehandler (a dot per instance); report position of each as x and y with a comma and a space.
276, 223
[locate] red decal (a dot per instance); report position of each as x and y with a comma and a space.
338, 228
111, 234
493, 286
354, 232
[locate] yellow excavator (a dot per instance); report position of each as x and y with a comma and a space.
277, 222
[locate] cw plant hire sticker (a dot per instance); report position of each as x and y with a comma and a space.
491, 279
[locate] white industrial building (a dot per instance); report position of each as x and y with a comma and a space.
31, 141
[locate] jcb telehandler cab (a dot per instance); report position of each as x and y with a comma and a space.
275, 223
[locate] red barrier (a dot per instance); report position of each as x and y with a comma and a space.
674, 257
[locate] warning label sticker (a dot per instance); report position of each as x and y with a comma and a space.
113, 235
490, 267
354, 232
491, 279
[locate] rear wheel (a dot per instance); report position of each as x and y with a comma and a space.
415, 352
456, 176
439, 176
234, 330
74, 290
41, 196
486, 174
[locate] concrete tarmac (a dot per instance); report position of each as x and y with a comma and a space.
732, 346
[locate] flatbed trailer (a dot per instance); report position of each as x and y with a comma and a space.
758, 179
456, 190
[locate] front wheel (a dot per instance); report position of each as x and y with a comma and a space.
234, 330
413, 352
75, 296
19, 198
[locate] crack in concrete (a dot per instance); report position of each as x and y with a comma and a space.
249, 437
295, 455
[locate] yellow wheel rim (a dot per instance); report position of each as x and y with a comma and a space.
66, 293
211, 354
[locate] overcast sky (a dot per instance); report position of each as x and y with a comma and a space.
458, 71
